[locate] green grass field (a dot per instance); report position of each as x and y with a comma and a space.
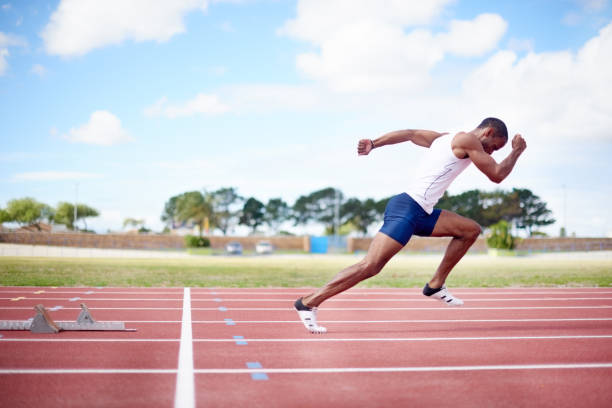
298, 271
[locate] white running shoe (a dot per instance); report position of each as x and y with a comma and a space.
308, 316
447, 298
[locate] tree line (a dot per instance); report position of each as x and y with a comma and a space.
224, 208
28, 211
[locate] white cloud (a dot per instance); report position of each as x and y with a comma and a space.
274, 97
103, 128
6, 41
200, 104
474, 37
572, 19
520, 44
555, 95
38, 70
3, 64
593, 5
54, 176
79, 26
365, 45
6, 6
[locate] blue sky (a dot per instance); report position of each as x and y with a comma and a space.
136, 102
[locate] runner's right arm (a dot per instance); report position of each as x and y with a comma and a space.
419, 137
496, 172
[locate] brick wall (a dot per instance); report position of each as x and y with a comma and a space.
143, 241
416, 244
95, 240
425, 244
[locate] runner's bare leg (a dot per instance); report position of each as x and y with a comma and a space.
381, 250
464, 232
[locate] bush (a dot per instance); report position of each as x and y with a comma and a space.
192, 241
500, 237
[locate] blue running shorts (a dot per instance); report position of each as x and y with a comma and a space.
405, 217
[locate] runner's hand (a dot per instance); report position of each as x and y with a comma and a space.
518, 143
364, 147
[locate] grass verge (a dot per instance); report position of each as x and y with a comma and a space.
298, 271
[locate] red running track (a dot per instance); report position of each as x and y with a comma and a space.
385, 347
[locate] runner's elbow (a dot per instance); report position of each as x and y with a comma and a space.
496, 177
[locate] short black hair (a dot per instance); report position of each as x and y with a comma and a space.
498, 125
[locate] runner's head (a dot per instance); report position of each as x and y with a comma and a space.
494, 134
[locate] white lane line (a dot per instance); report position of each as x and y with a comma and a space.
438, 308
86, 371
586, 319
404, 369
98, 299
577, 319
500, 367
416, 292
421, 299
185, 380
93, 340
321, 338
216, 300
309, 339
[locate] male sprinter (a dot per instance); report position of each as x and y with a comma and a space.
412, 212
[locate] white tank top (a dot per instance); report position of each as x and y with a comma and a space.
436, 172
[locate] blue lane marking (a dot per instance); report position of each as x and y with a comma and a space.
230, 322
257, 376
222, 309
54, 308
74, 299
240, 341
217, 299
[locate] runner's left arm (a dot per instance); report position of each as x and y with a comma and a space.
419, 137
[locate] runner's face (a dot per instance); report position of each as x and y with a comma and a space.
492, 143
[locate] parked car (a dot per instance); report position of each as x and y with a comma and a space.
234, 248
264, 247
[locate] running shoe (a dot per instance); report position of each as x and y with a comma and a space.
308, 316
443, 295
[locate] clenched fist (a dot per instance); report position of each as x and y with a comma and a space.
518, 143
364, 146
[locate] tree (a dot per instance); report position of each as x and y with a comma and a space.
223, 200
169, 216
486, 208
319, 206
500, 237
252, 214
467, 204
275, 213
26, 211
133, 222
4, 217
64, 214
533, 211
359, 214
196, 207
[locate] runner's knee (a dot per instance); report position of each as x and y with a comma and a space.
369, 268
472, 231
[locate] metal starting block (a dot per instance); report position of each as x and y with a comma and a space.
43, 323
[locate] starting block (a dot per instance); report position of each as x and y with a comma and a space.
43, 323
